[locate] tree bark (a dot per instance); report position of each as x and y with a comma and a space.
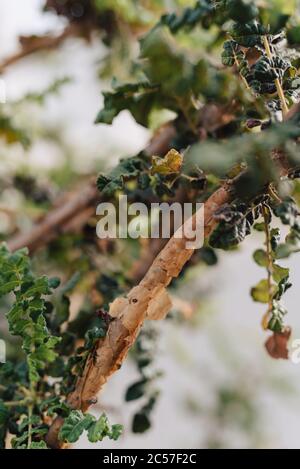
147, 300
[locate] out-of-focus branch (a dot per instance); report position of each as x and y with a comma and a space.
60, 220
30, 45
295, 109
72, 212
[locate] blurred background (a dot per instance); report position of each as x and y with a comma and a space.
218, 387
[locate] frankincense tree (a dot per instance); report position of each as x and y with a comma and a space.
219, 82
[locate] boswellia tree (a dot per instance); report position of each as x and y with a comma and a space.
219, 82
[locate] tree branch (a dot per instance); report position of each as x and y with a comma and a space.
148, 300
74, 212
30, 45
58, 220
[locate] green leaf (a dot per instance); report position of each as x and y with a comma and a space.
242, 11
261, 258
62, 310
280, 273
74, 426
77, 422
126, 169
140, 423
283, 286
136, 97
99, 429
38, 445
25, 317
54, 406
260, 292
116, 431
208, 255
53, 283
234, 226
259, 226
11, 133
136, 390
275, 238
167, 65
287, 211
248, 35
293, 35
204, 12
230, 53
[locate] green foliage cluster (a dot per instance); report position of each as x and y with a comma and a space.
27, 398
77, 422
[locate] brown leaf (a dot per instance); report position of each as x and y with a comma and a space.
276, 344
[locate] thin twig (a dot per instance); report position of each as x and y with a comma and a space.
280, 92
266, 317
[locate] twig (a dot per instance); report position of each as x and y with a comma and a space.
280, 92
266, 317
237, 64
37, 44
21, 402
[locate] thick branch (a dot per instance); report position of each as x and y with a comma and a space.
148, 300
58, 220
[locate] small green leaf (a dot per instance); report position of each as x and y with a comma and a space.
261, 258
287, 211
259, 227
116, 431
248, 35
136, 390
74, 426
38, 445
280, 273
260, 292
99, 429
242, 10
140, 423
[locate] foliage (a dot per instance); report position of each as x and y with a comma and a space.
27, 394
76, 423
228, 71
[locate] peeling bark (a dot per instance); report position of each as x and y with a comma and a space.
148, 299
